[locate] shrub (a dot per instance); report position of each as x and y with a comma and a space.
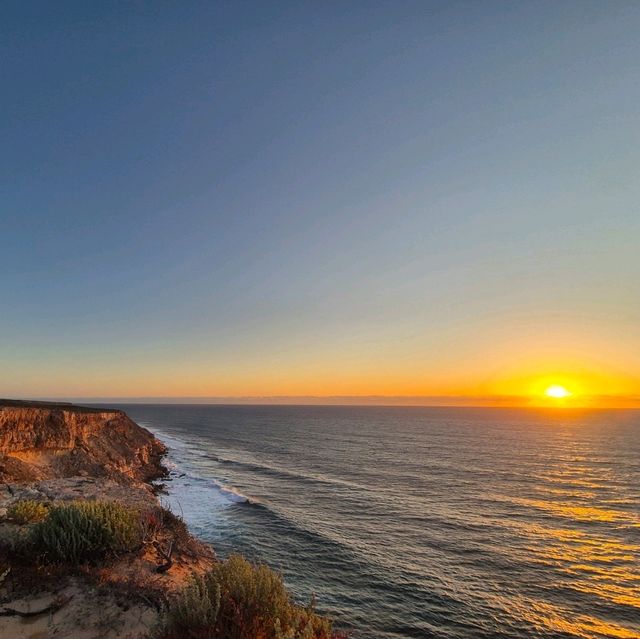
239, 600
27, 511
196, 609
157, 520
81, 532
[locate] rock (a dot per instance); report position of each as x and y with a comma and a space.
57, 453
43, 441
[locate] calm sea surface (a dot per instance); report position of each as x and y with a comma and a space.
423, 522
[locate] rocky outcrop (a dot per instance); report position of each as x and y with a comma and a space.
56, 453
41, 440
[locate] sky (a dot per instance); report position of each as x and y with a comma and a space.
331, 199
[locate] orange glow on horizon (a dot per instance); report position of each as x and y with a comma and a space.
519, 380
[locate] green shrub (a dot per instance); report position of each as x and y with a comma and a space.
254, 596
27, 511
196, 609
239, 600
80, 532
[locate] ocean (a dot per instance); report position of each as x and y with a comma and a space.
422, 522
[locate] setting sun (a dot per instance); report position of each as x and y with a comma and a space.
557, 392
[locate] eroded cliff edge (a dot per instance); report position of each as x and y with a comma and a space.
41, 440
53, 454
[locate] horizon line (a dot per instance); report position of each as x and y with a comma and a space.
436, 401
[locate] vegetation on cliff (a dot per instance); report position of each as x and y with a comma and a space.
240, 600
232, 599
27, 511
86, 532
81, 528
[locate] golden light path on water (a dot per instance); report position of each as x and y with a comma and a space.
602, 566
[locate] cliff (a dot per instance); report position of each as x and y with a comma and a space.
88, 551
55, 454
41, 440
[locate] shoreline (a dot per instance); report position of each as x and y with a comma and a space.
59, 458
119, 462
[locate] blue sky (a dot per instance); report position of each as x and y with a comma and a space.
264, 198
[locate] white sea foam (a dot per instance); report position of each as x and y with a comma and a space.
198, 499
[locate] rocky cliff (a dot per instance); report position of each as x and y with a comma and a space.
87, 549
41, 440
55, 453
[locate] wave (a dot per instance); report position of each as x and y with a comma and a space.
188, 484
181, 472
231, 493
191, 493
180, 478
283, 473
181, 449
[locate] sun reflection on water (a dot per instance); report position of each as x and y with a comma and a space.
575, 498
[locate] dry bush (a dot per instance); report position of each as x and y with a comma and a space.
27, 511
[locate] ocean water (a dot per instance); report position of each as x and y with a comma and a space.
423, 522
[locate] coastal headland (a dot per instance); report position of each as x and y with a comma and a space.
88, 551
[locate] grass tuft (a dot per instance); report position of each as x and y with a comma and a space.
27, 511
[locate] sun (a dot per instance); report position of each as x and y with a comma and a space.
557, 392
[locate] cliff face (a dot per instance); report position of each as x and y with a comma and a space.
56, 453
43, 441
